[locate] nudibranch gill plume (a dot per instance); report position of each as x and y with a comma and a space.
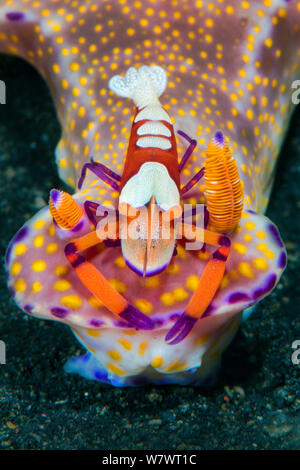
210, 83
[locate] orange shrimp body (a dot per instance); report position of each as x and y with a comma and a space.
223, 187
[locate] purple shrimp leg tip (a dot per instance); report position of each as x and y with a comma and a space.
137, 319
180, 329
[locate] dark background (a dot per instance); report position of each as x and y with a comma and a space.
256, 402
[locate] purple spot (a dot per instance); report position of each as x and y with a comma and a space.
121, 324
8, 253
275, 234
20, 234
12, 291
59, 312
110, 243
158, 322
85, 358
54, 194
238, 297
28, 308
99, 375
269, 284
78, 227
251, 212
219, 138
15, 16
282, 260
95, 322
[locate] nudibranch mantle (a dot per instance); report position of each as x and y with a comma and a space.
229, 68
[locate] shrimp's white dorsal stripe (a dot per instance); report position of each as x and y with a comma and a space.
154, 128
152, 141
144, 86
153, 112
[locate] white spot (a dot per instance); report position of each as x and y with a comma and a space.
154, 128
154, 113
151, 141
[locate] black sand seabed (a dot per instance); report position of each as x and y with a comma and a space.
256, 402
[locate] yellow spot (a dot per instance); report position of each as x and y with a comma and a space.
229, 10
225, 281
95, 303
260, 234
20, 249
118, 285
176, 366
62, 285
20, 285
52, 248
202, 339
249, 113
203, 255
247, 237
81, 111
181, 253
51, 231
125, 343
262, 247
37, 286
142, 348
269, 42
71, 301
180, 294
250, 225
260, 263
38, 241
239, 248
152, 281
192, 282
246, 270
55, 68
115, 369
269, 254
144, 306
167, 299
39, 224
120, 262
64, 84
93, 333
74, 66
61, 270
130, 31
114, 355
39, 265
15, 268
173, 268
157, 362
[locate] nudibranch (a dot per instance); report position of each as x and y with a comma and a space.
145, 307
